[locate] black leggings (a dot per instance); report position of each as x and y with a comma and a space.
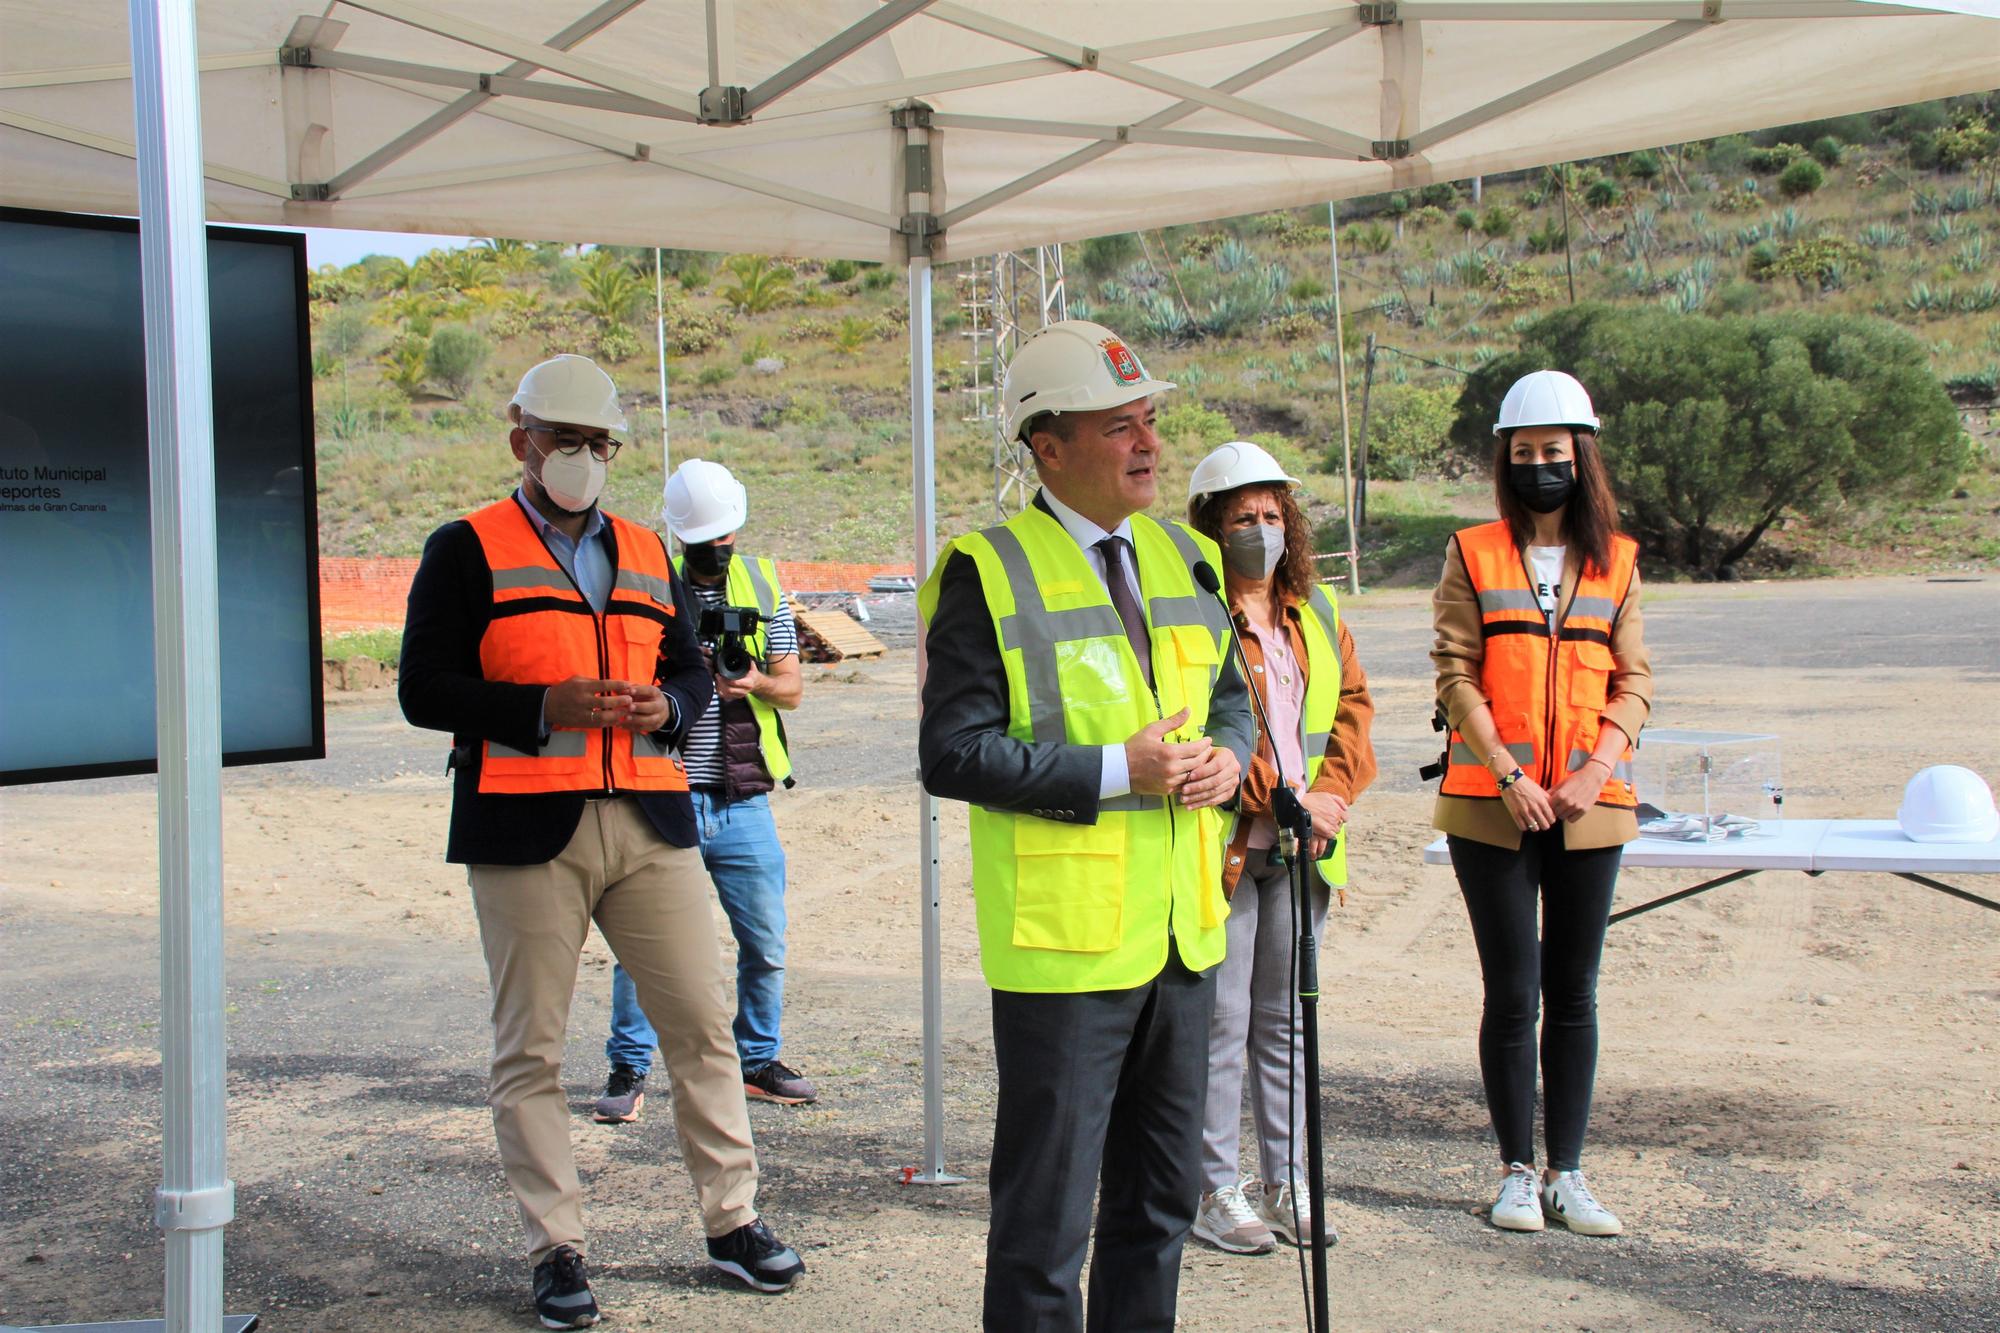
1559, 968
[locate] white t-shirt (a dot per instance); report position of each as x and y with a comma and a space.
1547, 564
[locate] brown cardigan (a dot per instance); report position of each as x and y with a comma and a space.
1459, 653
1350, 755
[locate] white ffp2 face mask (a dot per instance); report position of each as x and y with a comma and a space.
574, 481
1252, 553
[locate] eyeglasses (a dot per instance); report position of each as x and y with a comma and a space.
602, 447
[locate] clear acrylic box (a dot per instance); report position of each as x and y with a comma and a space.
1708, 785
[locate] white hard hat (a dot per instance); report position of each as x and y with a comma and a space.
572, 390
704, 501
1946, 803
1072, 365
1546, 398
1238, 463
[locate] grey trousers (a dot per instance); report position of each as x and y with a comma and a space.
1257, 1021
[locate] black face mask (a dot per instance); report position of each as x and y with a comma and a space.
707, 559
1543, 487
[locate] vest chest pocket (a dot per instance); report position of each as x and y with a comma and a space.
1590, 675
1069, 887
1196, 662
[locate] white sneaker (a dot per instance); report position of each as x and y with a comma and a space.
1274, 1207
1519, 1207
1570, 1200
1227, 1222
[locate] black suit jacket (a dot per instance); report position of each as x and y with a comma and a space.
963, 749
441, 686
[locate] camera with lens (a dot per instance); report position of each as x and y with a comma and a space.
727, 630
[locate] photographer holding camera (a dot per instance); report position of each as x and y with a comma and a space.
735, 755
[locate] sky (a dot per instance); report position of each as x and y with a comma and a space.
331, 245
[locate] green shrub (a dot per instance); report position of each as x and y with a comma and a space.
1102, 256
1443, 194
1497, 222
1966, 144
1547, 238
616, 342
1603, 193
1716, 429
1758, 262
380, 645
1186, 424
1372, 238
1466, 220
1801, 178
1770, 161
1826, 150
841, 270
1397, 204
1408, 428
1643, 165
710, 376
455, 356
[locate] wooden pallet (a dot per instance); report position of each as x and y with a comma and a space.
827, 635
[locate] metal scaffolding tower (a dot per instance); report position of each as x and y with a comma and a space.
1008, 298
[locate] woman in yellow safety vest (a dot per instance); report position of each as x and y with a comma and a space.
1317, 710
1543, 680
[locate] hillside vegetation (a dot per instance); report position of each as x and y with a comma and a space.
792, 372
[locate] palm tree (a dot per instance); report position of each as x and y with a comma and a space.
760, 285
610, 292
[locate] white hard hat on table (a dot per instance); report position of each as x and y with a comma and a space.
1238, 463
1546, 398
704, 501
1946, 803
571, 390
1072, 365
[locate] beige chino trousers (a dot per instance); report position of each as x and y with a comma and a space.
654, 903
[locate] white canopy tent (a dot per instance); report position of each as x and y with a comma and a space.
907, 130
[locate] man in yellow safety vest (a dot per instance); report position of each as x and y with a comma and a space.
1080, 695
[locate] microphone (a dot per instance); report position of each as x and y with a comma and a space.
1285, 804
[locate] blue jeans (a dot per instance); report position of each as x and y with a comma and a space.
739, 844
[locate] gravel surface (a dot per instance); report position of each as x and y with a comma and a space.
1795, 1104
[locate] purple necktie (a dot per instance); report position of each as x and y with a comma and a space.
1113, 550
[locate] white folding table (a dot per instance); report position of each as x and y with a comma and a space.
1813, 846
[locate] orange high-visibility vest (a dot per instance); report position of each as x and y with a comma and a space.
544, 630
1546, 676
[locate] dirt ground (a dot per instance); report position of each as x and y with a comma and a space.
1796, 1106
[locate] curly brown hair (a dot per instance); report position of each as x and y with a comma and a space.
1294, 577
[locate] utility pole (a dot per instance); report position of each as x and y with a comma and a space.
1361, 478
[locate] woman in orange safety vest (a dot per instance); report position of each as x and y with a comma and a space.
1543, 679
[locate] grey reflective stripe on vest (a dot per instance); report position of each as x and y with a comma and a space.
1508, 599
760, 587
1601, 608
653, 586
1314, 742
1035, 631
1131, 800
646, 745
560, 745
1619, 768
1461, 753
530, 576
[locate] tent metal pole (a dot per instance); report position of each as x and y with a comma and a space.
1346, 440
660, 341
195, 1200
923, 464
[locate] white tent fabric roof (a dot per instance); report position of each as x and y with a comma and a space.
1052, 120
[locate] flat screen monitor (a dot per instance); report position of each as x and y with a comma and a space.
76, 560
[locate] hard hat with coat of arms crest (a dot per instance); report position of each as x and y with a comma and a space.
1072, 365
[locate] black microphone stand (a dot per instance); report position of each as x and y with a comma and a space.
1294, 838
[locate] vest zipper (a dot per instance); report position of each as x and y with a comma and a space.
597, 620
1554, 614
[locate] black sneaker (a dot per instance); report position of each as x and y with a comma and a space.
562, 1291
624, 1094
754, 1256
775, 1081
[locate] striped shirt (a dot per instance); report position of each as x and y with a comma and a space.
702, 752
